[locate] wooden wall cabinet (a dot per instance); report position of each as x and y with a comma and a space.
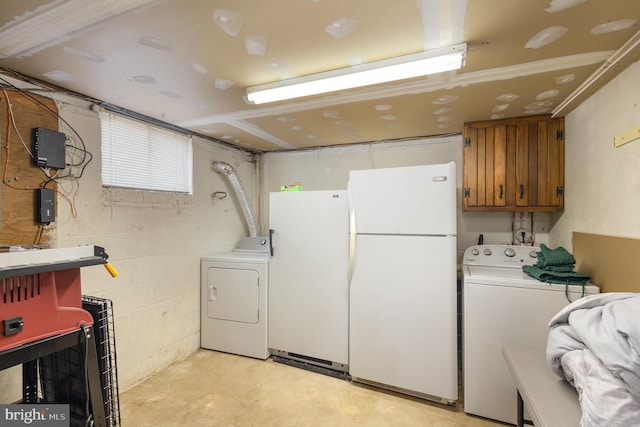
514, 165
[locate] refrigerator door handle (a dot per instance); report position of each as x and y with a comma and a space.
271, 241
352, 253
352, 240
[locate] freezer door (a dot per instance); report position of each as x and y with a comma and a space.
308, 285
407, 200
403, 313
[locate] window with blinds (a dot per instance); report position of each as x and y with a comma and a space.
143, 156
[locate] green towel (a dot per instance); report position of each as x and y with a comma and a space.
557, 277
554, 257
559, 268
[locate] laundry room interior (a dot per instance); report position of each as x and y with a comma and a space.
260, 293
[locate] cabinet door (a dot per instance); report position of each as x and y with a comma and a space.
539, 164
551, 164
485, 166
526, 164
514, 165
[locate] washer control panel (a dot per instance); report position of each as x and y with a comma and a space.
508, 256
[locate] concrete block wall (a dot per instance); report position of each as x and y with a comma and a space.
155, 240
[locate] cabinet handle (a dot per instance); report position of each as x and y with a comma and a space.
501, 187
521, 191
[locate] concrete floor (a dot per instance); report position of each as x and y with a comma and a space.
209, 388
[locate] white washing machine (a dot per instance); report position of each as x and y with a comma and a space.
234, 301
501, 304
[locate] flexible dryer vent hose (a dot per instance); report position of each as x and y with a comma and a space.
227, 170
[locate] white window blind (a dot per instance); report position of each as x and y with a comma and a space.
142, 156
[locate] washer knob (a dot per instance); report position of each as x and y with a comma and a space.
487, 252
475, 251
533, 254
510, 252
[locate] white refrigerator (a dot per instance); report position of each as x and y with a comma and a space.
308, 286
403, 300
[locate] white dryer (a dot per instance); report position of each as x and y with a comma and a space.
234, 300
501, 304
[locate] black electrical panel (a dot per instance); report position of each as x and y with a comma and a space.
49, 148
45, 205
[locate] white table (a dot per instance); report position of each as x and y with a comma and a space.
551, 402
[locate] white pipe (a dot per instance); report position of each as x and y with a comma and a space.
617, 56
228, 171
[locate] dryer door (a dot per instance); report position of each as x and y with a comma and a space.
233, 294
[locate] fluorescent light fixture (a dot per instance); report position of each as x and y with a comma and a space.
399, 68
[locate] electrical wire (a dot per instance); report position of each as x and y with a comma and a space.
533, 236
85, 156
13, 121
38, 238
72, 199
8, 143
7, 146
76, 148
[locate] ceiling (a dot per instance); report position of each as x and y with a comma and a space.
189, 62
